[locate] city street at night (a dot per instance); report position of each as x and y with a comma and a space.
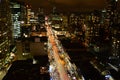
60, 40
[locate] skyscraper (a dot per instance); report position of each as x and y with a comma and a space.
18, 12
5, 29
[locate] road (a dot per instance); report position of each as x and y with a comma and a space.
60, 67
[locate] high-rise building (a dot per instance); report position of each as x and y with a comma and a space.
18, 15
41, 16
5, 29
114, 31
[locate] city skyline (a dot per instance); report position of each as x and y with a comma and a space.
76, 40
66, 5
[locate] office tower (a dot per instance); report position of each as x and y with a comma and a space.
41, 16
5, 30
18, 17
113, 29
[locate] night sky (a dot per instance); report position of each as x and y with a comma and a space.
66, 5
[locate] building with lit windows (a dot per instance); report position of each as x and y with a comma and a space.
5, 31
18, 11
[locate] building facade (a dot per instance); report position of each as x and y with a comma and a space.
5, 30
